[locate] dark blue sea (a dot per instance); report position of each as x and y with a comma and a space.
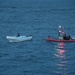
39, 18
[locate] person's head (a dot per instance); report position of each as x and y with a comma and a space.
63, 32
48, 36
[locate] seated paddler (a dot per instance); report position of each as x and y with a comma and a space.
18, 34
49, 37
64, 37
68, 37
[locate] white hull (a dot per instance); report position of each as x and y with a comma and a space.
18, 39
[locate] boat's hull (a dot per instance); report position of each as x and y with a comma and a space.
18, 39
52, 40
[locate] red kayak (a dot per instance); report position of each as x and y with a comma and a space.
62, 36
58, 40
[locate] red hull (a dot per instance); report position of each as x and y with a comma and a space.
52, 40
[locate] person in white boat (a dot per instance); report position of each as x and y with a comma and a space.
18, 34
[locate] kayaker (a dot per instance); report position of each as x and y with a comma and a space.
49, 37
18, 34
64, 37
69, 37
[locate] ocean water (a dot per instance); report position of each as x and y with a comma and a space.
39, 18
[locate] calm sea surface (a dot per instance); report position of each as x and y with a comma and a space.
39, 18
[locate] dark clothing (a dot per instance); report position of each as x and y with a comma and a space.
48, 36
64, 37
67, 37
18, 34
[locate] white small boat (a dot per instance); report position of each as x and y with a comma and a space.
19, 39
